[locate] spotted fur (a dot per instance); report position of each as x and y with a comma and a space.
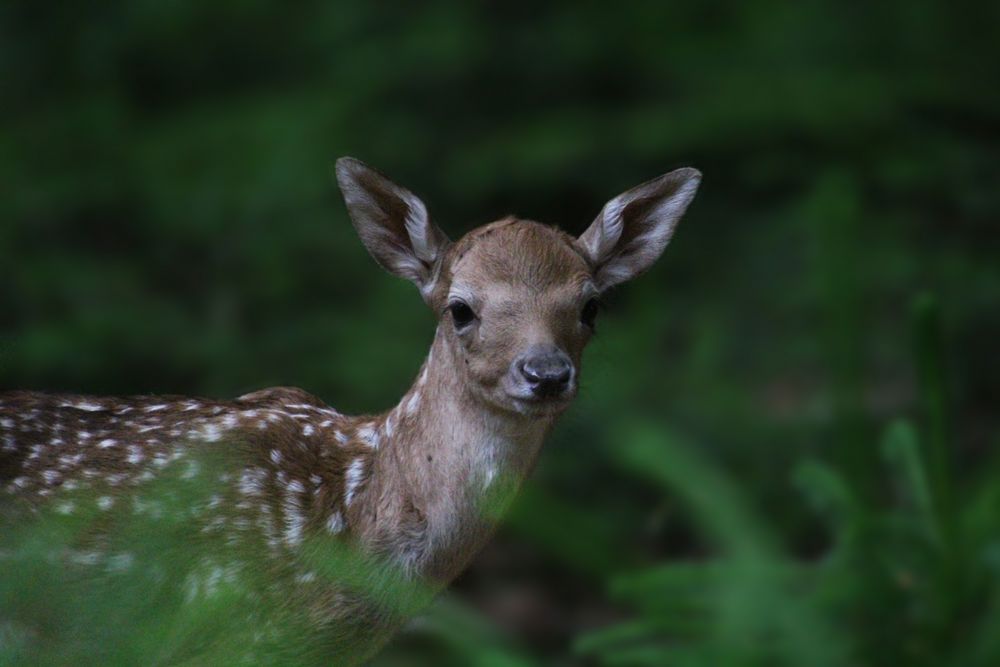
262, 491
265, 445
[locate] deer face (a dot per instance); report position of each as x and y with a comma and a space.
517, 305
516, 299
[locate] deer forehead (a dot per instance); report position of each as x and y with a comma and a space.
513, 258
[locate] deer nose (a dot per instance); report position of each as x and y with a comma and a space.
548, 373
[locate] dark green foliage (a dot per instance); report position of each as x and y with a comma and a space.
783, 452
905, 581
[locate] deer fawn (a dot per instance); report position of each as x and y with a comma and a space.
415, 490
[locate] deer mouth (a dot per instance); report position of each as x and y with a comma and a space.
532, 404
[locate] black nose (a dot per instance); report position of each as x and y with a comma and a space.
548, 373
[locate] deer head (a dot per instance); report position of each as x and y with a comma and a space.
516, 300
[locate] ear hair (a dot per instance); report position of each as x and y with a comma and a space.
633, 229
392, 223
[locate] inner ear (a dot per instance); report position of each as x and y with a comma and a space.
633, 229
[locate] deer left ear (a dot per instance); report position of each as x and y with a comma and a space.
632, 229
393, 224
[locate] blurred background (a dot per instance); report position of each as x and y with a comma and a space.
784, 452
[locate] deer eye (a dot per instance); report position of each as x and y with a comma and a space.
461, 314
589, 314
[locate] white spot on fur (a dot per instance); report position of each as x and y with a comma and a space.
294, 520
154, 509
192, 470
191, 588
51, 476
368, 435
252, 482
353, 479
213, 580
216, 525
306, 577
155, 408
211, 433
134, 454
85, 557
105, 502
307, 430
66, 460
275, 456
84, 405
107, 442
412, 403
120, 562
335, 523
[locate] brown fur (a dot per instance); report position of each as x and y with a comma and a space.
283, 478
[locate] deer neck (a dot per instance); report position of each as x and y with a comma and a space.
448, 467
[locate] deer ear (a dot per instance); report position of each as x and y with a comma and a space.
392, 223
632, 229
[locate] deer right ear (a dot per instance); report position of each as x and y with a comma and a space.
392, 223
